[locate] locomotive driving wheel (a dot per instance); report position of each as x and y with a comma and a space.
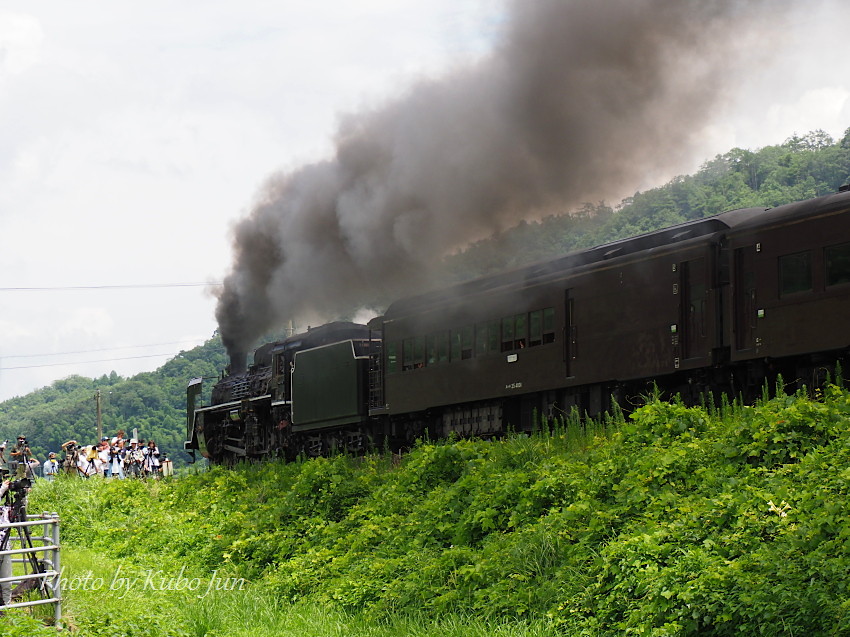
215, 442
314, 446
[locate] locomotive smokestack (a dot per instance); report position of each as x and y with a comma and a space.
576, 100
238, 363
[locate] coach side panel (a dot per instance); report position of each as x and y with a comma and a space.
635, 317
791, 286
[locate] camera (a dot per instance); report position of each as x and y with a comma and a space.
20, 485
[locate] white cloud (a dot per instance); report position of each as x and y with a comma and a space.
90, 323
823, 107
21, 38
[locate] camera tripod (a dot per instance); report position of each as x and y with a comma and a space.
15, 502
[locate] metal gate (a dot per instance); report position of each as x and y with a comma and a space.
35, 560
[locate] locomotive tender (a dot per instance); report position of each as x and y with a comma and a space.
718, 304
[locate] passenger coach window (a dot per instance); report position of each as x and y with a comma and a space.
528, 330
507, 334
419, 351
493, 336
535, 328
437, 348
431, 349
521, 331
549, 325
486, 337
413, 353
795, 273
481, 339
407, 354
466, 344
462, 343
837, 264
443, 347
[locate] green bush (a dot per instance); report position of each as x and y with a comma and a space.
685, 521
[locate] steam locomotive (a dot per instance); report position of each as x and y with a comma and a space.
719, 304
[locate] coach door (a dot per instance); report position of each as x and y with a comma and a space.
570, 337
693, 307
745, 298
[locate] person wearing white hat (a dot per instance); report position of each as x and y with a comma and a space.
133, 460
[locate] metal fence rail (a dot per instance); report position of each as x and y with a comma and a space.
47, 545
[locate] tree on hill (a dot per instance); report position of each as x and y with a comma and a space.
800, 168
152, 402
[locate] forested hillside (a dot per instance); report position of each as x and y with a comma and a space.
801, 167
154, 403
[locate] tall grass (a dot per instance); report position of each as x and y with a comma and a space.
675, 520
94, 610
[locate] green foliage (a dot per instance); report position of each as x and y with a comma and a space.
16, 623
713, 520
800, 168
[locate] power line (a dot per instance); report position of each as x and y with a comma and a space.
111, 287
103, 349
102, 360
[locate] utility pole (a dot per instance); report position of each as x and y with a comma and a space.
99, 422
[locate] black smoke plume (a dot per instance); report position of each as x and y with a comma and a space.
579, 100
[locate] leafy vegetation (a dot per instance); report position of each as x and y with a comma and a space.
800, 168
160, 603
714, 520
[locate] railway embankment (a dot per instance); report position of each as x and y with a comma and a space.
718, 519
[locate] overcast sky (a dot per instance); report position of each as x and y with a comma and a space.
133, 135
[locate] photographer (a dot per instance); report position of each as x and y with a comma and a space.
88, 462
151, 460
133, 459
51, 467
116, 461
103, 455
69, 461
21, 459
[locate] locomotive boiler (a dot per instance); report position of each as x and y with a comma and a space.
719, 304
